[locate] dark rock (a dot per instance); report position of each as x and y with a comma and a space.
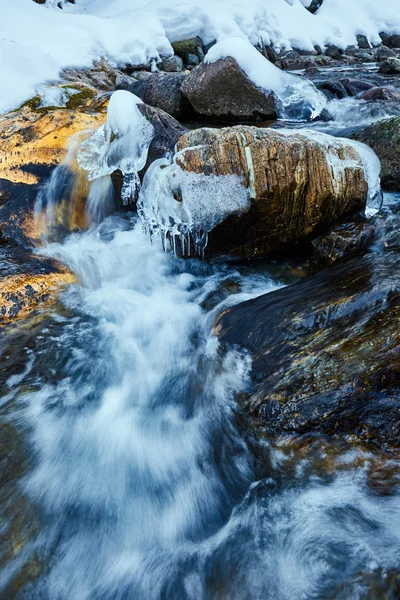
334, 52
311, 71
326, 351
269, 54
221, 90
162, 90
192, 60
351, 50
363, 42
380, 93
208, 46
384, 139
314, 6
172, 64
343, 239
382, 53
391, 66
355, 86
394, 41
185, 47
334, 89
384, 37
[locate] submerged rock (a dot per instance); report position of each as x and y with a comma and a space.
26, 281
222, 90
297, 184
384, 139
380, 93
326, 351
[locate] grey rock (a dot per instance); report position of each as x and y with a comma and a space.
221, 90
172, 64
192, 60
333, 52
162, 90
391, 66
122, 81
383, 52
363, 42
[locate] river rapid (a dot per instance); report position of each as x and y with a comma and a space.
128, 471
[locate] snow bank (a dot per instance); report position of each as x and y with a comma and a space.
37, 41
299, 98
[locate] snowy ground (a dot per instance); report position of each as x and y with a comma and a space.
37, 41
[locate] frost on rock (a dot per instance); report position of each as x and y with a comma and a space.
298, 99
366, 158
121, 143
183, 207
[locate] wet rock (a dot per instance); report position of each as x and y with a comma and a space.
332, 89
391, 66
269, 53
384, 139
26, 281
394, 41
334, 52
355, 86
172, 64
342, 240
326, 351
382, 53
363, 42
221, 90
34, 141
380, 93
162, 90
293, 193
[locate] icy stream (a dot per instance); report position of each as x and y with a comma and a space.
128, 471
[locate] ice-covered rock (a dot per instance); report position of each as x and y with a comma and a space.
254, 191
122, 143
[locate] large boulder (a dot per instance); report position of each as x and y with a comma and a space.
384, 138
297, 185
163, 90
326, 351
222, 91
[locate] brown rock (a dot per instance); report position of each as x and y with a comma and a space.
380, 93
26, 281
221, 90
294, 195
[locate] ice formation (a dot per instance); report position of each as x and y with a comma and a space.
183, 207
367, 158
298, 98
122, 143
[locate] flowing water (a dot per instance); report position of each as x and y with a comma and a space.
127, 469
